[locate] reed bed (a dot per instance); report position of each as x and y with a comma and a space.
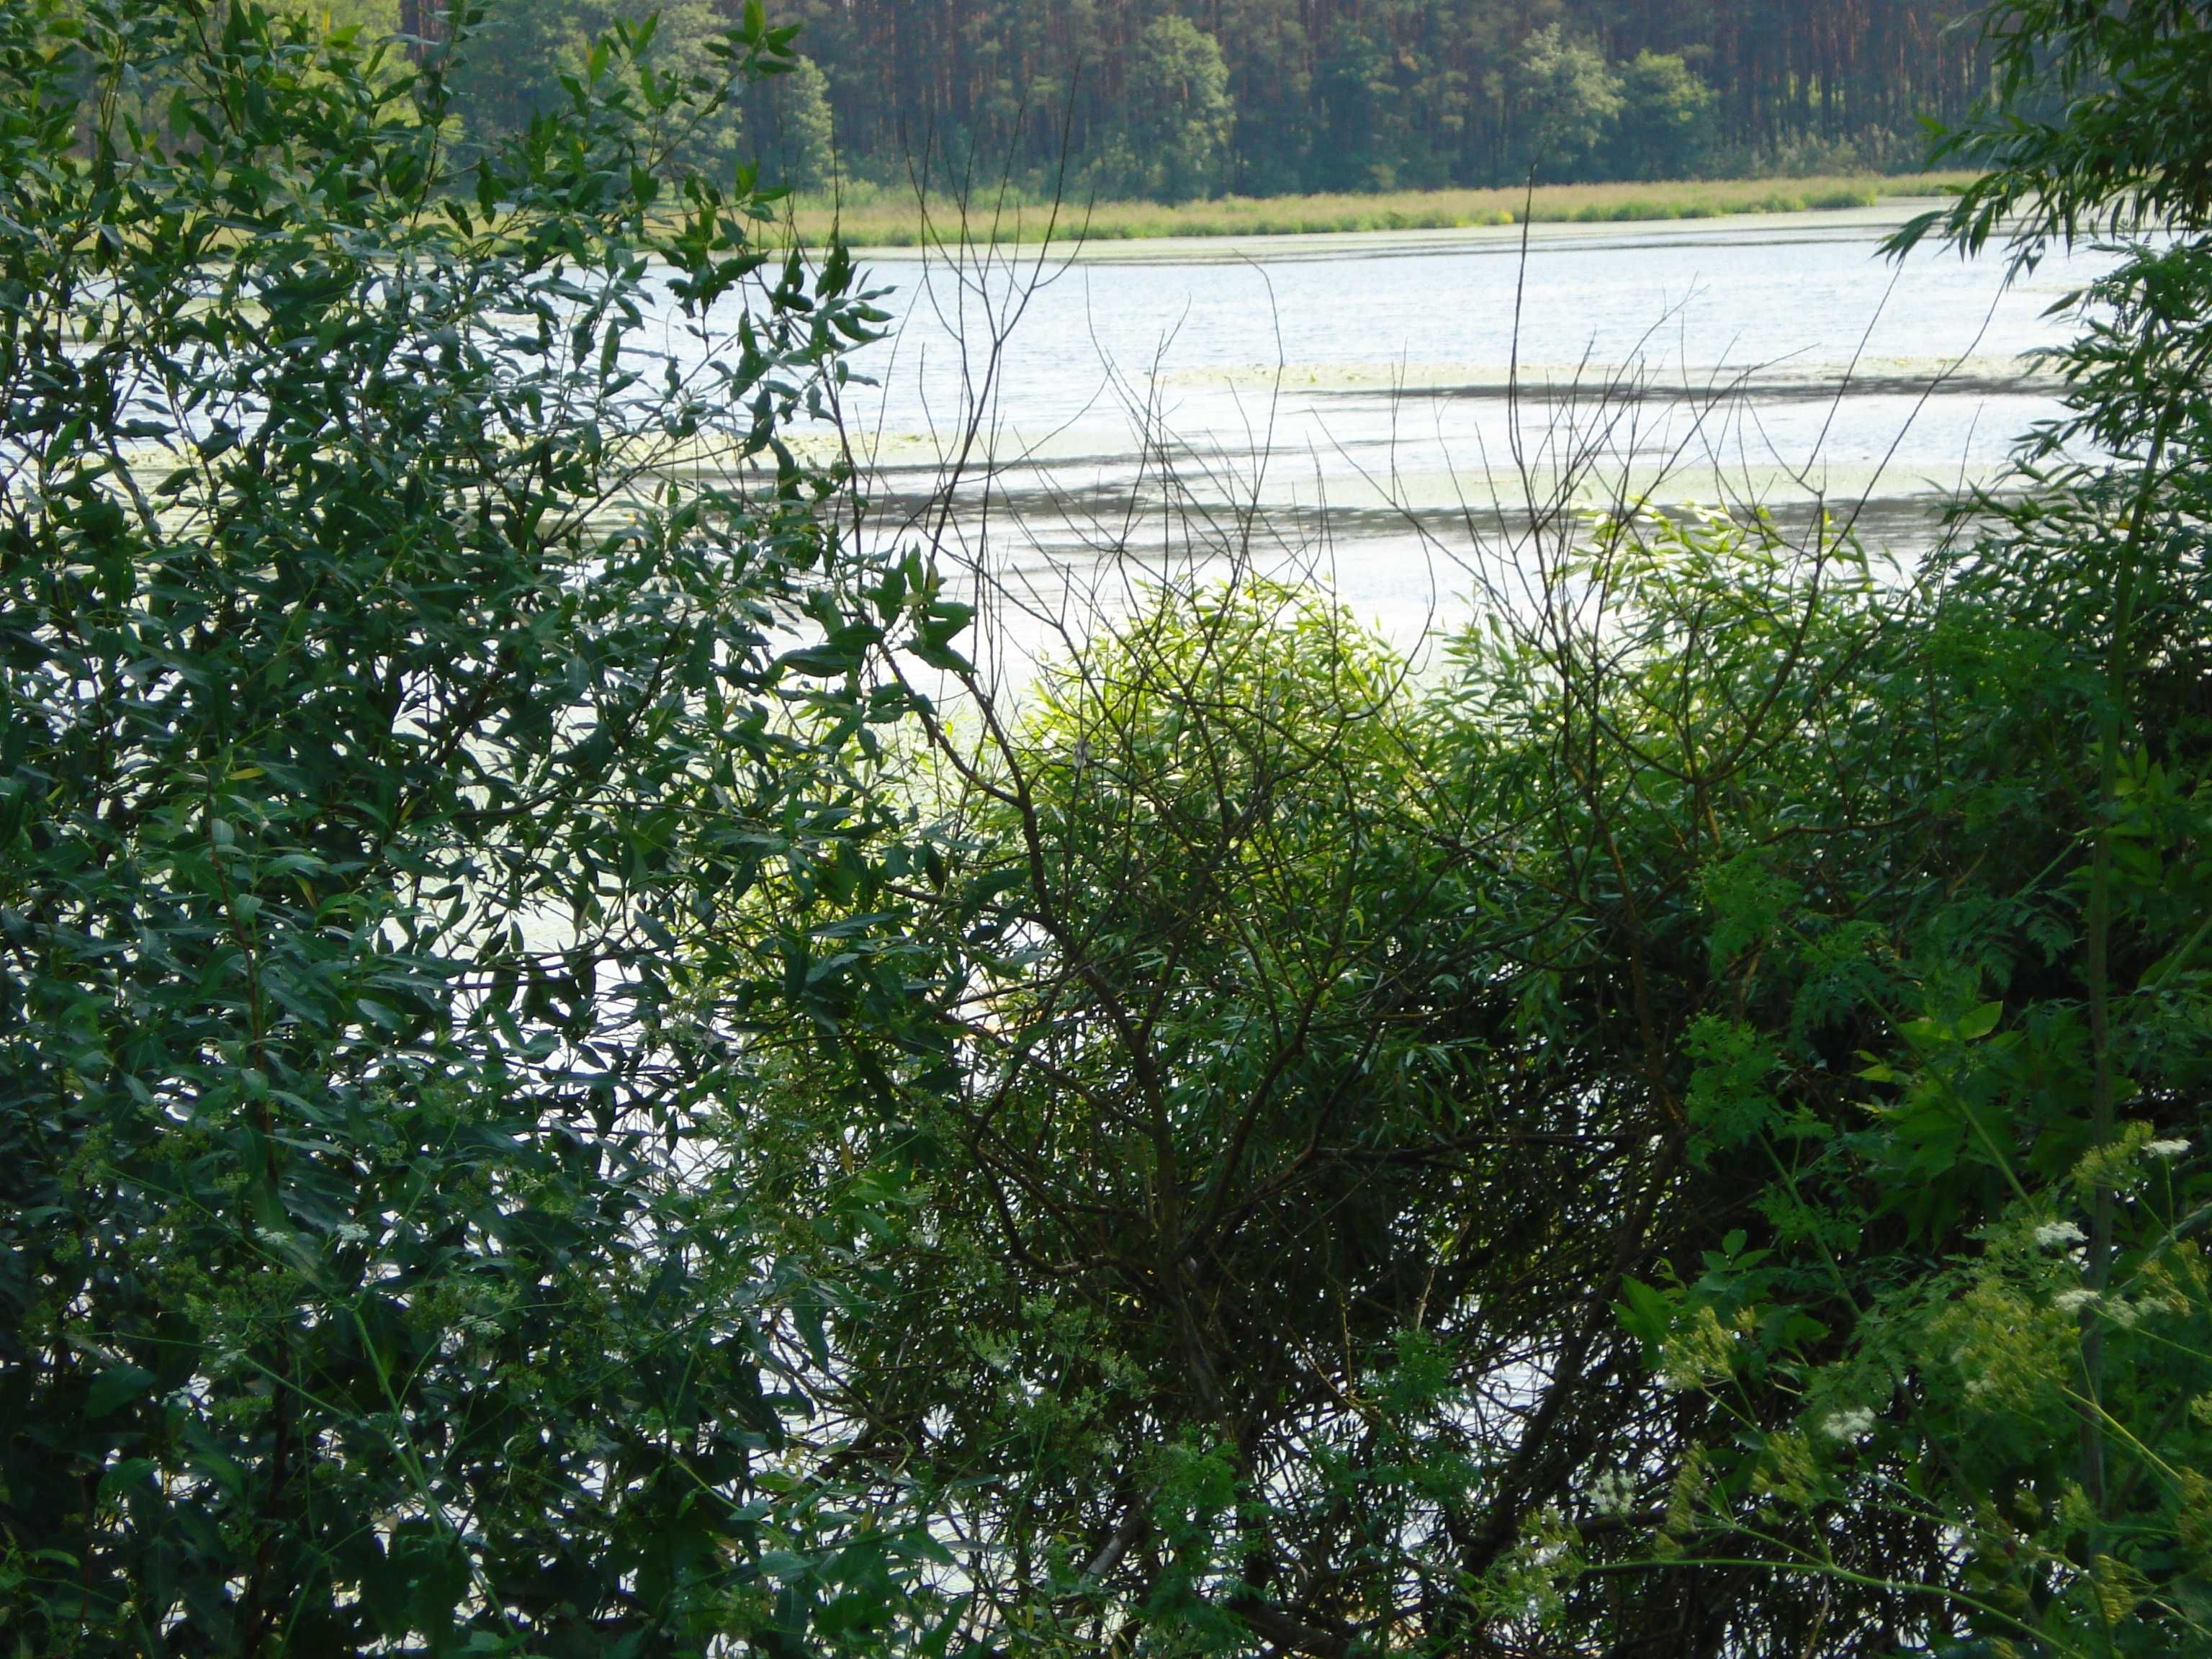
877, 216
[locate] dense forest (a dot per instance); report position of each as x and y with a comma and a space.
1359, 94
577, 1079
1261, 97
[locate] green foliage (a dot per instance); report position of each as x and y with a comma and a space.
1127, 98
2094, 124
1270, 86
516, 64
1392, 94
786, 132
374, 18
2008, 1233
1667, 121
1359, 110
1975, 1307
529, 1123
1685, 1133
1183, 1019
1567, 102
1173, 144
379, 718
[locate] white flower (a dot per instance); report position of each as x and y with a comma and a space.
1849, 1424
2166, 1148
1613, 1493
2072, 1302
2057, 1232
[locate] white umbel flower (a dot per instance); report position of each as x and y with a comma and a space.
2057, 1232
1613, 1493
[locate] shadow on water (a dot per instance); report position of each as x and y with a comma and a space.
1411, 421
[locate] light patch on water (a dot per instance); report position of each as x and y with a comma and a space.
1382, 409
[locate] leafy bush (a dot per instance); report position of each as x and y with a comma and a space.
1567, 102
379, 712
1172, 143
1667, 123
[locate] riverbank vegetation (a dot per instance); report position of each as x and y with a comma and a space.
893, 216
576, 1077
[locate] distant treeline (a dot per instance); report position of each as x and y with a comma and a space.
1177, 98
1334, 95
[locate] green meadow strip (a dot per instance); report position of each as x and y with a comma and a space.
874, 217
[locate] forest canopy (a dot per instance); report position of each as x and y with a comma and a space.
1259, 97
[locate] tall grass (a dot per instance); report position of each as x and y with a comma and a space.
876, 216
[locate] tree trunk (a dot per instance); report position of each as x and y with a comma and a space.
422, 24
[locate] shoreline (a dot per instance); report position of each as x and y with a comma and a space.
871, 218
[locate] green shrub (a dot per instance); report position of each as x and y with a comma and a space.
378, 717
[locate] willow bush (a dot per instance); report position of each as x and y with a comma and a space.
379, 709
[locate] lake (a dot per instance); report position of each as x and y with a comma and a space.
1358, 402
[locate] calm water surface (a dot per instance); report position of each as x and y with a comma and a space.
1359, 401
